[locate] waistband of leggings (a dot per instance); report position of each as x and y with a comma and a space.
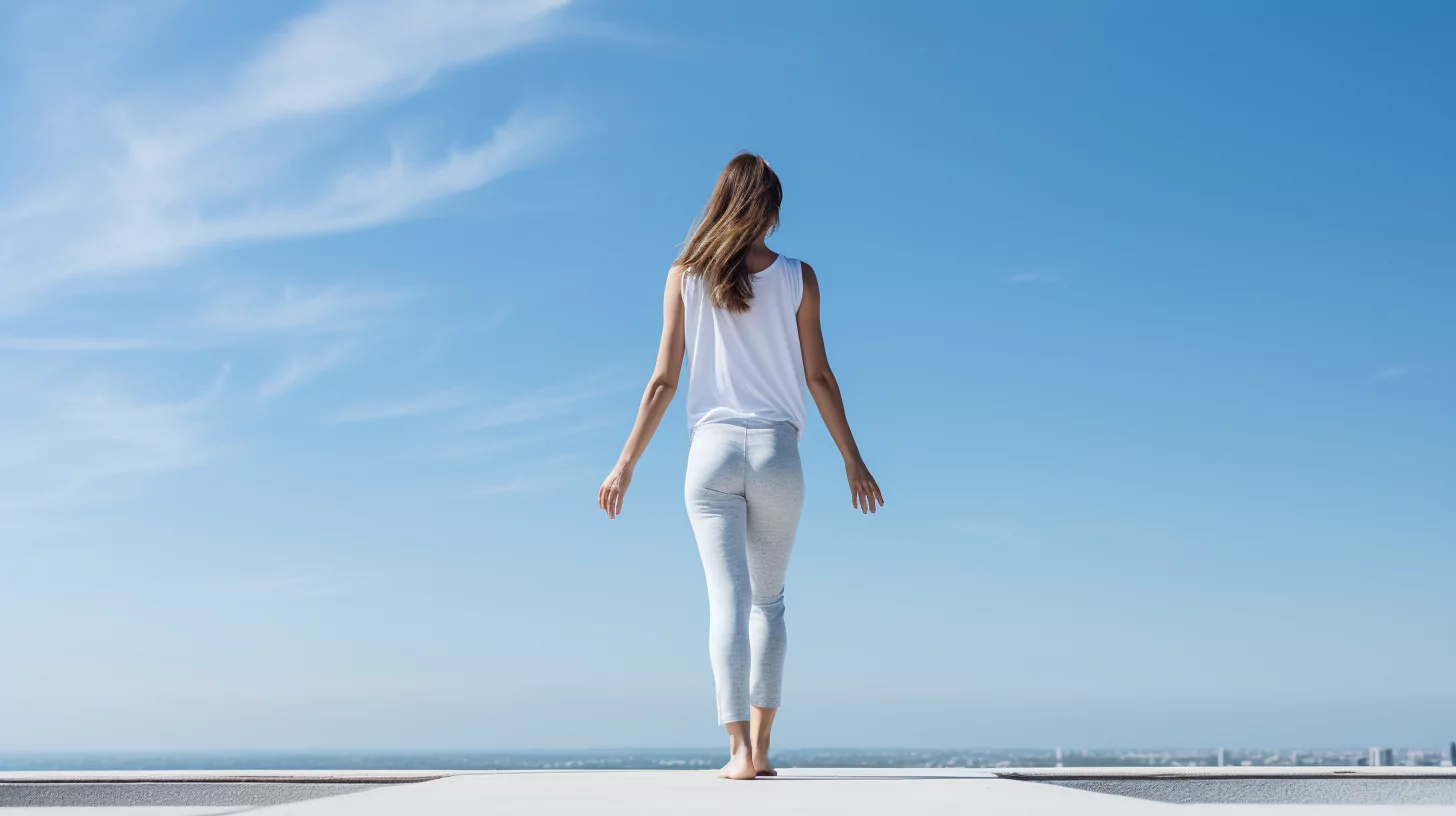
751, 423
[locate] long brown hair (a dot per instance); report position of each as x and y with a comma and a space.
744, 207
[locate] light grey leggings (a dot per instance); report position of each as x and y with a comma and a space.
744, 491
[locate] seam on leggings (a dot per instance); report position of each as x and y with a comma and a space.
719, 492
743, 452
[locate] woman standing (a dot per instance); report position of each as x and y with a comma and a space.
748, 320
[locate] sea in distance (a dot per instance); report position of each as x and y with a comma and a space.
694, 759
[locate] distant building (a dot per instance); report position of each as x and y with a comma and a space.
1453, 752
1382, 757
1220, 754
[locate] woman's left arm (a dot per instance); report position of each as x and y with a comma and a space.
659, 393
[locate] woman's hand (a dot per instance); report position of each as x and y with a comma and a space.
609, 495
864, 493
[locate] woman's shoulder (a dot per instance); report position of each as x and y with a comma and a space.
794, 265
799, 276
806, 272
679, 281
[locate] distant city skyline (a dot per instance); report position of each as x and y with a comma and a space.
1381, 757
700, 758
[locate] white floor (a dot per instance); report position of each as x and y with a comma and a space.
842, 792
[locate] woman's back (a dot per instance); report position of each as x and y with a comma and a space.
746, 364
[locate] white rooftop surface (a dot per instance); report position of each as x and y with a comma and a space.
913, 792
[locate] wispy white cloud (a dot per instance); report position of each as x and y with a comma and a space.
432, 403
1392, 371
1028, 278
301, 369
349, 53
542, 473
287, 585
63, 442
327, 310
543, 403
476, 428
522, 484
76, 344
543, 438
161, 181
123, 175
238, 318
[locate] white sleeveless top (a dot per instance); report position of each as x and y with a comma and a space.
746, 365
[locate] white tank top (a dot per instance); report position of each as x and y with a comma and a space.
746, 365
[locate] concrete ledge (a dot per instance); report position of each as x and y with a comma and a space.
1232, 772
373, 777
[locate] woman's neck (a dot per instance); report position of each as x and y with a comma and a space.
760, 251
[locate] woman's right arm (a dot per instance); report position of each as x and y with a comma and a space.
864, 492
654, 400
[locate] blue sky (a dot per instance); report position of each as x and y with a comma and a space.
320, 323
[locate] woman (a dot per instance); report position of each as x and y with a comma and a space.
748, 320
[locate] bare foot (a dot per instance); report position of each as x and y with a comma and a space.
762, 766
739, 767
